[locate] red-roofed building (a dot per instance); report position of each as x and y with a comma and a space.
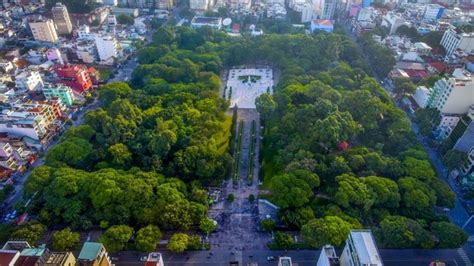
416, 75
9, 257
77, 77
437, 67
236, 28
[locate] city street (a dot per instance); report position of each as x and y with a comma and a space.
407, 257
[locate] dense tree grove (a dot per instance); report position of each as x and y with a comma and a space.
338, 154
141, 158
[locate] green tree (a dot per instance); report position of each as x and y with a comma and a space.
265, 105
147, 238
207, 225
282, 241
30, 232
403, 86
120, 155
289, 191
65, 240
116, 237
384, 191
455, 159
230, 197
125, 19
328, 230
194, 243
267, 225
178, 242
401, 232
448, 235
353, 191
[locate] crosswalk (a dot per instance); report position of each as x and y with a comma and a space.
464, 257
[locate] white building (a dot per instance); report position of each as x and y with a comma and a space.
453, 95
44, 30
6, 66
213, 22
328, 257
107, 47
452, 41
433, 12
421, 96
199, 5
446, 125
360, 250
392, 21
305, 7
29, 80
23, 124
61, 19
84, 33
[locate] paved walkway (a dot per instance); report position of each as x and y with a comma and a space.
237, 228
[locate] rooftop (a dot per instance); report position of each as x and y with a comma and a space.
90, 251
33, 252
365, 247
206, 20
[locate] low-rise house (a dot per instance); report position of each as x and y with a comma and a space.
93, 254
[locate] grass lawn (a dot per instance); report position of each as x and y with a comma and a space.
269, 168
222, 139
104, 73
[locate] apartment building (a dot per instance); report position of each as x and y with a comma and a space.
44, 30
107, 48
453, 95
61, 19
60, 91
452, 41
29, 80
360, 250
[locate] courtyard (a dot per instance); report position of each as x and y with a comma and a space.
244, 85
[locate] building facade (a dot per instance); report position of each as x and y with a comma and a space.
44, 30
360, 250
453, 95
29, 80
453, 41
60, 91
107, 47
61, 19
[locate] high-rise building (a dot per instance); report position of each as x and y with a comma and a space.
433, 12
43, 30
61, 19
453, 95
107, 47
328, 9
199, 5
452, 41
324, 9
360, 250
